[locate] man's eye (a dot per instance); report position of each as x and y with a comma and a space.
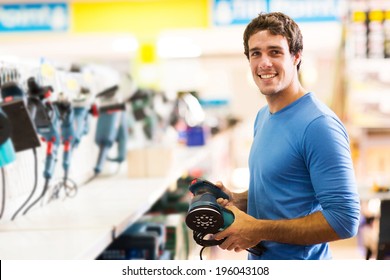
255, 54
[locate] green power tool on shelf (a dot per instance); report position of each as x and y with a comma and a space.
206, 217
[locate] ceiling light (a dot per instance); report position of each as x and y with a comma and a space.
124, 44
177, 47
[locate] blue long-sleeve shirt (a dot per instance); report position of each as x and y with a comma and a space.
300, 163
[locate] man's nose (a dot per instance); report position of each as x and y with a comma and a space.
265, 62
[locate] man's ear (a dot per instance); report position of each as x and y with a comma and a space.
297, 58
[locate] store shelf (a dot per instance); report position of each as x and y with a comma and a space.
368, 65
53, 244
81, 227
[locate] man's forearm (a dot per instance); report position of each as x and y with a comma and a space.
311, 229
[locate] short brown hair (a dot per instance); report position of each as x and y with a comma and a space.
277, 24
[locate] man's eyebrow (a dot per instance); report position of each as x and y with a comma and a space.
275, 47
254, 49
268, 48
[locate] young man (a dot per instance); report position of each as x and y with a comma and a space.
302, 191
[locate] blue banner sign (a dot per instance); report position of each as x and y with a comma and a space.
34, 17
232, 12
308, 10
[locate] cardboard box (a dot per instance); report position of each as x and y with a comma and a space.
149, 162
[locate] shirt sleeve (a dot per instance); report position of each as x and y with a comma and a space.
328, 159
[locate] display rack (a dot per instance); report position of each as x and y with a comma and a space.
82, 227
367, 69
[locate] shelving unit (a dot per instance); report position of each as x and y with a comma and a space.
368, 98
82, 227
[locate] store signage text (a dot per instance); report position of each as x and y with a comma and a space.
308, 10
232, 12
34, 17
227, 12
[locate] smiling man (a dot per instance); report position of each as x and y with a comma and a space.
302, 192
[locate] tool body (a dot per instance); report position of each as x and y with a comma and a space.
84, 108
47, 121
67, 133
142, 107
7, 151
66, 114
111, 128
206, 216
23, 135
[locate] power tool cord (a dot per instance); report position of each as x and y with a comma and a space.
93, 177
35, 185
45, 187
201, 252
257, 250
199, 239
70, 188
3, 195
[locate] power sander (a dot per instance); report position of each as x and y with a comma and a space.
206, 217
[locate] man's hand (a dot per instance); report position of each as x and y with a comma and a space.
220, 185
241, 234
237, 199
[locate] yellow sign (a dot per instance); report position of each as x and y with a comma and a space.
139, 17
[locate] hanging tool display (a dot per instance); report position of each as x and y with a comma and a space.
83, 108
7, 152
79, 84
75, 108
40, 109
206, 217
142, 107
188, 117
68, 136
111, 128
23, 135
11, 91
47, 121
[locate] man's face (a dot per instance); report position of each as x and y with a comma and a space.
273, 67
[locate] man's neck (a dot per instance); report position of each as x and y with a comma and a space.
277, 102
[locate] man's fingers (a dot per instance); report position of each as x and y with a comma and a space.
219, 184
222, 234
227, 245
223, 202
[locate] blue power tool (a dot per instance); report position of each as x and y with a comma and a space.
47, 122
206, 217
111, 128
67, 131
83, 108
68, 138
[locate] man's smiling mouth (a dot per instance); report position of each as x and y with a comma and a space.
267, 76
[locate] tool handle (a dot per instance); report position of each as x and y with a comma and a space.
207, 186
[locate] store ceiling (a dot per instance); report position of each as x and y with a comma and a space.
103, 47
